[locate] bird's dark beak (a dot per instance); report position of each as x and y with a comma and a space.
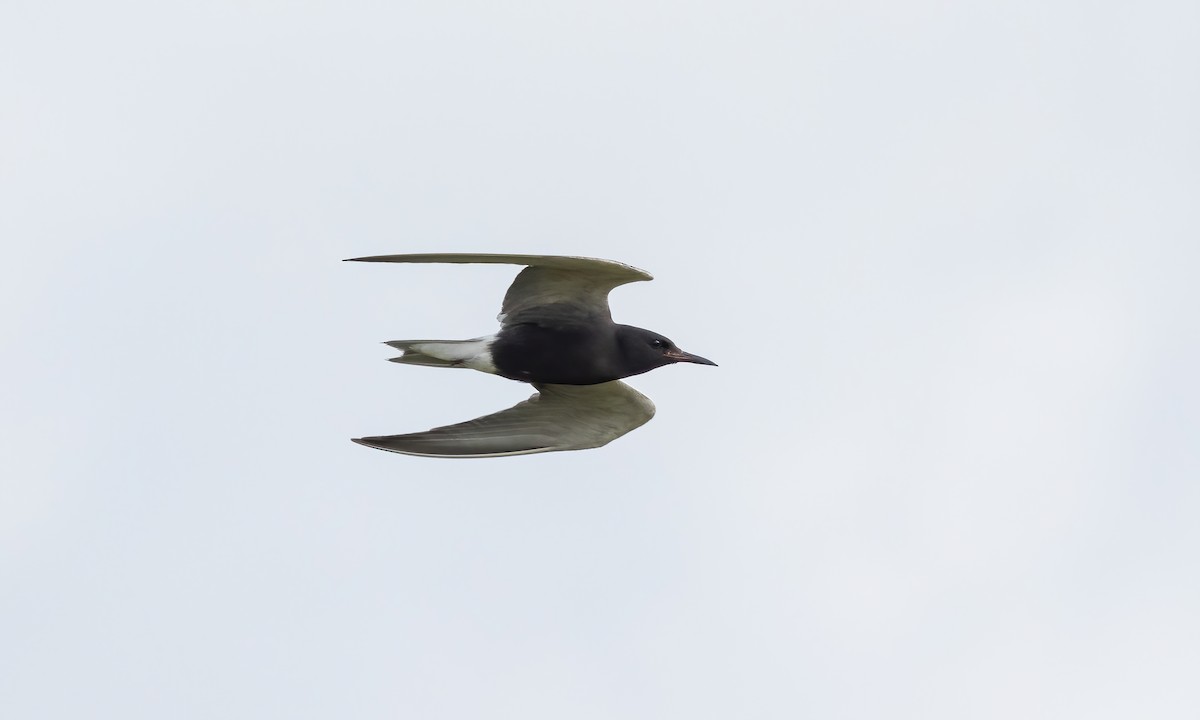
681, 356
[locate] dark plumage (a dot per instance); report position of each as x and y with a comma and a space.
581, 355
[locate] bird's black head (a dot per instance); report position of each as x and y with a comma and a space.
644, 350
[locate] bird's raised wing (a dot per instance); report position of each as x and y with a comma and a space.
580, 283
557, 417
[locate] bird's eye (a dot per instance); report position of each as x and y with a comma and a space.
658, 343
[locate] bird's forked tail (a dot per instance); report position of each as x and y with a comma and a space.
474, 353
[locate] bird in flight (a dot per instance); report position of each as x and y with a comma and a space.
557, 333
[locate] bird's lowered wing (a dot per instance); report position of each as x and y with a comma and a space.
557, 417
579, 282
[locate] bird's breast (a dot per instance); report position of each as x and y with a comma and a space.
562, 356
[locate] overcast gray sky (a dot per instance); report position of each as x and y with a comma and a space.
945, 253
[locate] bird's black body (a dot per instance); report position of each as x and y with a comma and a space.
576, 354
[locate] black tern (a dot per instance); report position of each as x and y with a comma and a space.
556, 332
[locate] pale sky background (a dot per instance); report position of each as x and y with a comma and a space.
946, 254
